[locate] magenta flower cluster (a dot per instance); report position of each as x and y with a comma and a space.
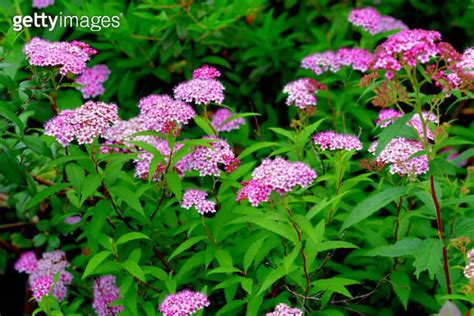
183, 303
106, 292
285, 310
277, 175
469, 268
69, 57
301, 92
222, 123
85, 123
467, 61
330, 140
204, 88
198, 199
92, 80
373, 22
41, 4
388, 116
357, 58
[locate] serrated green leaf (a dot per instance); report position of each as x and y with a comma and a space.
131, 236
186, 245
94, 262
401, 286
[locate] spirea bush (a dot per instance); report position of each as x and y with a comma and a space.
215, 159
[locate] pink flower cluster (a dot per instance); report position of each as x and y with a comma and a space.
467, 61
357, 58
221, 123
301, 92
42, 272
183, 303
163, 114
69, 57
397, 154
72, 220
330, 140
277, 175
41, 4
198, 199
121, 131
85, 123
373, 22
105, 293
285, 310
469, 268
388, 116
92, 79
204, 88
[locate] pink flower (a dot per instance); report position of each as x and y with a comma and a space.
42, 286
26, 263
330, 140
92, 79
388, 116
374, 23
206, 72
285, 310
198, 199
183, 303
69, 57
388, 23
357, 58
254, 191
321, 62
71, 220
469, 268
41, 4
203, 88
301, 92
220, 121
85, 123
106, 292
467, 61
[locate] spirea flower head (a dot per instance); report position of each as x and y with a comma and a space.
357, 58
301, 92
105, 293
26, 263
373, 22
85, 123
198, 199
92, 80
285, 310
219, 121
469, 268
183, 303
277, 175
397, 154
121, 133
41, 4
203, 88
320, 62
388, 116
159, 111
467, 61
69, 57
41, 286
330, 140
388, 23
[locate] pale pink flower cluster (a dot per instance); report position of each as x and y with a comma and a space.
183, 303
301, 92
285, 310
373, 22
388, 116
72, 220
397, 154
41, 4
69, 57
121, 131
277, 175
198, 199
204, 88
357, 58
467, 61
106, 292
42, 272
221, 123
469, 268
92, 80
330, 140
85, 123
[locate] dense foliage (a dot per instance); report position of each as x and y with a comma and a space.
237, 158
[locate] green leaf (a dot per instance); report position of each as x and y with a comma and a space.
75, 175
288, 134
257, 146
94, 262
272, 277
239, 115
464, 156
252, 252
186, 245
204, 125
131, 236
39, 240
304, 136
401, 286
174, 183
405, 247
335, 244
7, 113
428, 257
43, 194
92, 182
128, 197
392, 131
11, 169
134, 269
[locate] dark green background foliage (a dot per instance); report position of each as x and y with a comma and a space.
357, 263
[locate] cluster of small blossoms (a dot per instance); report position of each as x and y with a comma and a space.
285, 310
41, 4
92, 80
183, 303
72, 220
221, 123
277, 175
469, 268
373, 22
198, 199
85, 123
70, 57
163, 114
301, 92
204, 88
397, 154
121, 131
105, 293
467, 61
42, 272
388, 116
357, 58
330, 140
